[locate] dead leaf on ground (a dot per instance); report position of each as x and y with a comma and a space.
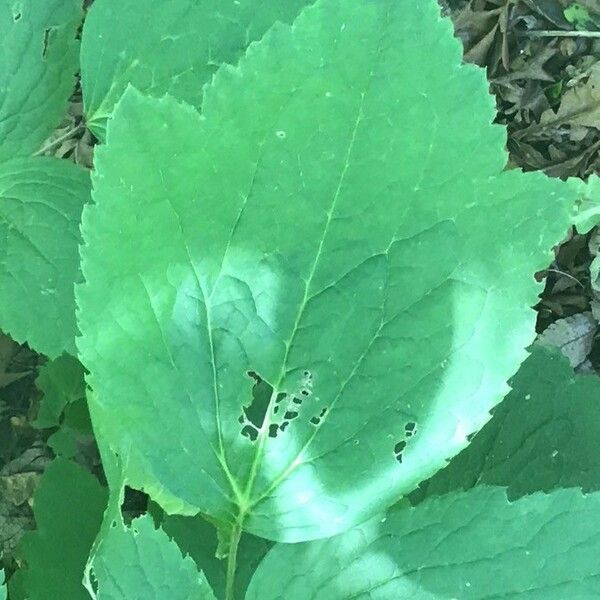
579, 107
574, 336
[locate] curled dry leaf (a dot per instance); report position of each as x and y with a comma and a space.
573, 335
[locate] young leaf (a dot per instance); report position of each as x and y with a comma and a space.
2, 586
320, 236
68, 509
466, 545
545, 435
62, 383
40, 209
38, 62
142, 563
166, 47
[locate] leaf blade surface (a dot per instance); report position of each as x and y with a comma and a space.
330, 246
122, 45
68, 507
472, 544
141, 562
39, 57
41, 200
544, 435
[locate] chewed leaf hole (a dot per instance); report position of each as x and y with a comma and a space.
135, 503
46, 43
410, 429
277, 410
399, 449
250, 432
261, 394
316, 420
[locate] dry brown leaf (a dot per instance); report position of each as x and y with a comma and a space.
573, 335
18, 488
579, 107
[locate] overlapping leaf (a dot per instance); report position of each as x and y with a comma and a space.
40, 199
162, 47
322, 230
198, 538
40, 209
68, 508
62, 383
38, 63
545, 435
142, 563
465, 545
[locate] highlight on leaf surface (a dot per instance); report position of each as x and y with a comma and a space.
326, 318
472, 544
543, 436
38, 62
122, 44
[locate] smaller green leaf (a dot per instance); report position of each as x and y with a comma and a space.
122, 45
579, 16
15, 586
141, 563
68, 508
545, 435
2, 586
75, 433
588, 206
474, 544
62, 382
38, 62
198, 538
41, 200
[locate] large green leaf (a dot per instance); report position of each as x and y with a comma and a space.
323, 228
465, 545
40, 209
38, 62
142, 563
545, 435
162, 47
68, 509
2, 586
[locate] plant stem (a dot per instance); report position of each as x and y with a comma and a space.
236, 533
560, 33
58, 141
